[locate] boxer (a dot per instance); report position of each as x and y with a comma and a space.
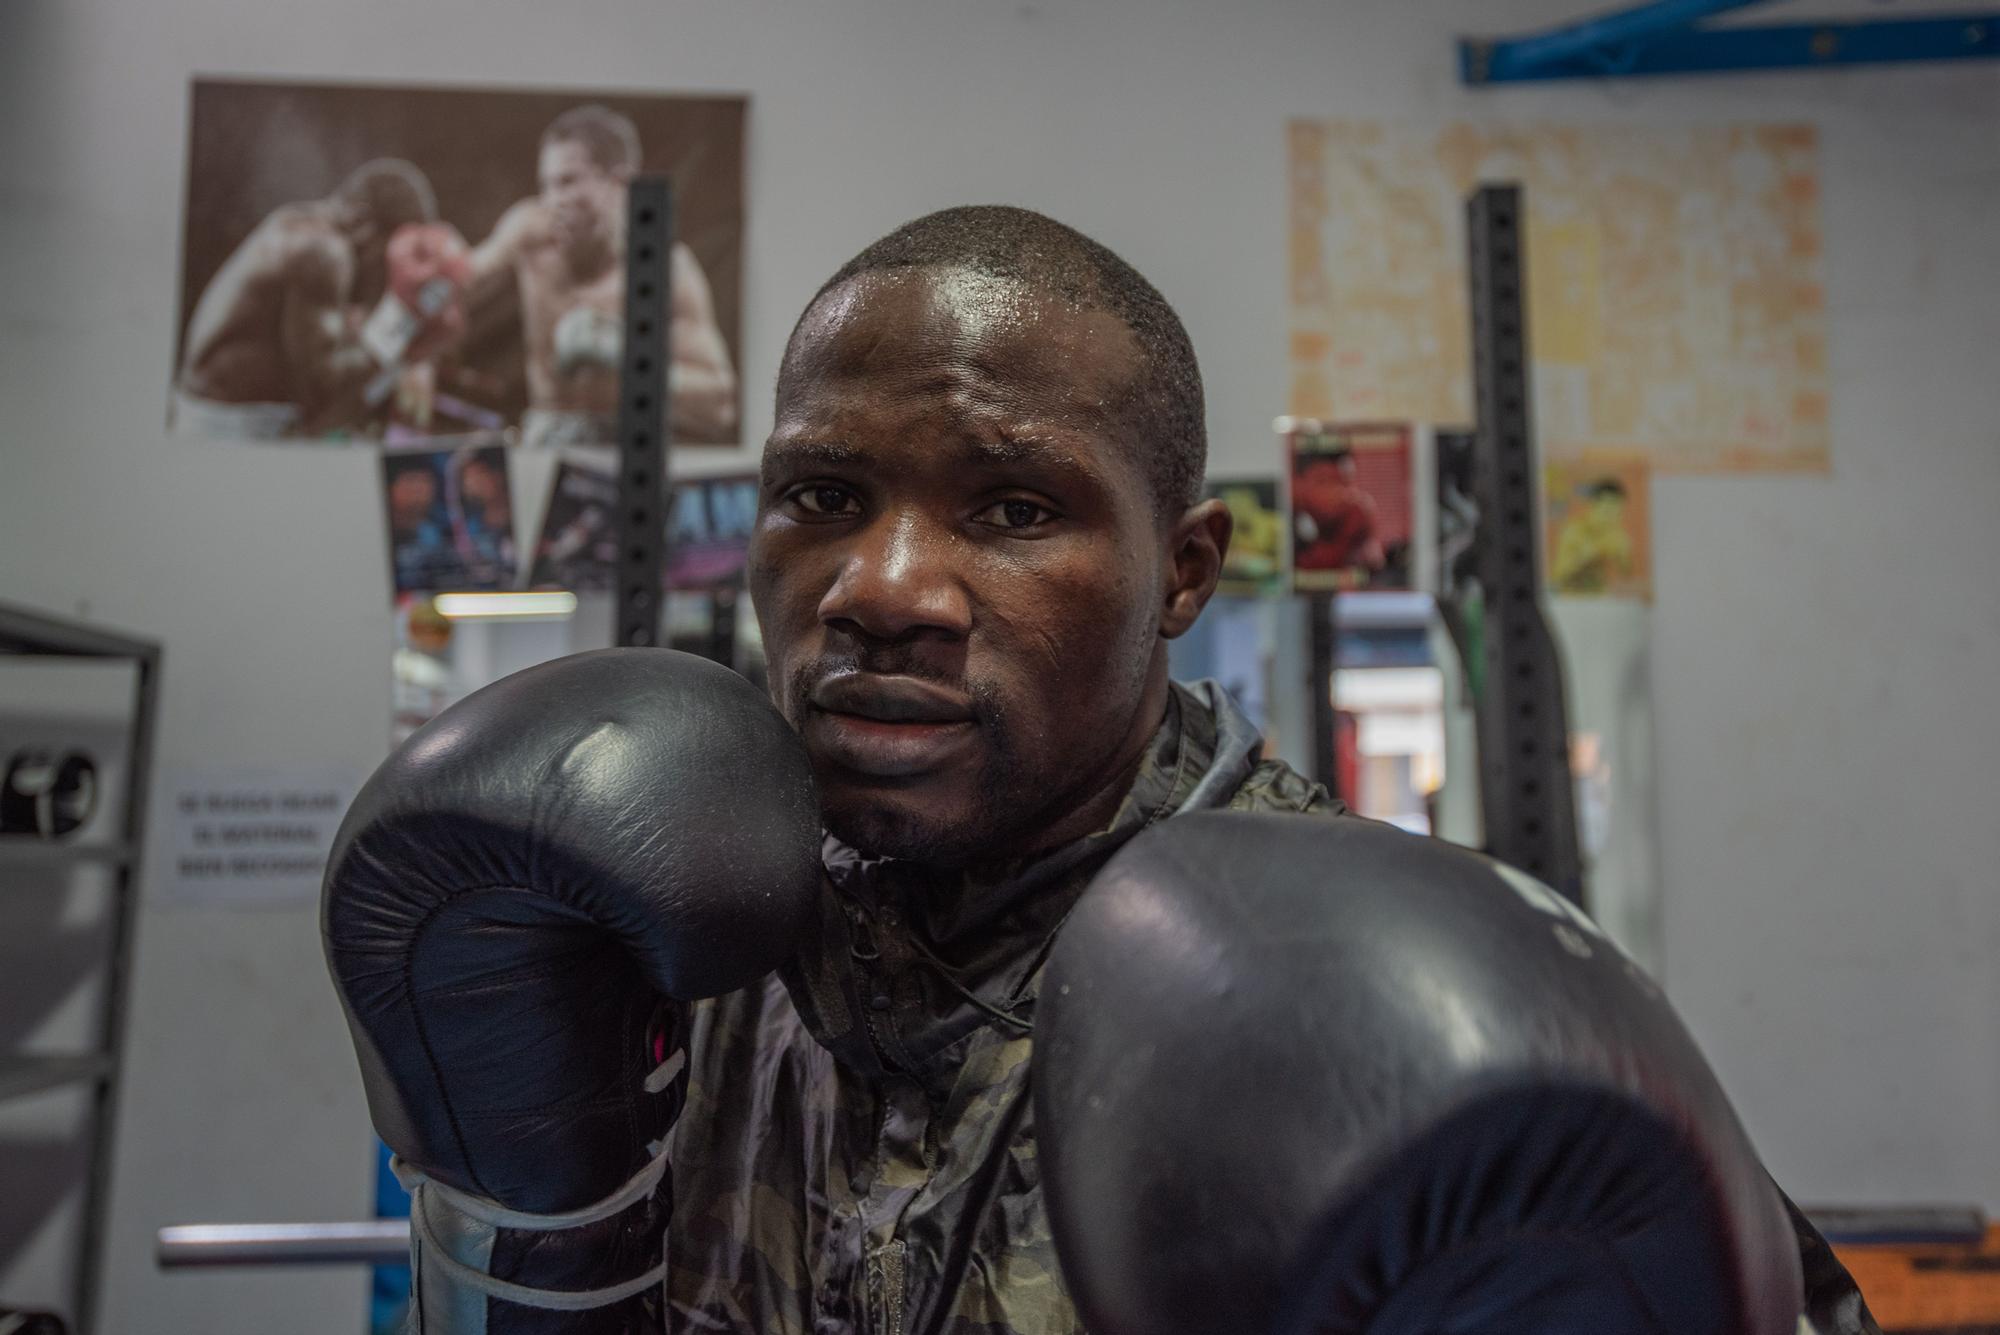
306, 326
1336, 523
1594, 549
565, 249
979, 527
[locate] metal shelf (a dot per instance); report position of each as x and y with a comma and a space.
22, 1076
41, 636
29, 854
32, 634
1905, 1225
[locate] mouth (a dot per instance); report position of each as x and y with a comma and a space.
888, 726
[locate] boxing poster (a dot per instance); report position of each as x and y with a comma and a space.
395, 264
450, 517
709, 522
708, 531
1457, 513
1255, 565
1351, 505
1596, 512
578, 544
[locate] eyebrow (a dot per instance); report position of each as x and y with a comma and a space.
826, 453
1006, 452
1012, 451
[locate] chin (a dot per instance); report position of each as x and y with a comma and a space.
890, 829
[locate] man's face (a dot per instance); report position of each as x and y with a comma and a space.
411, 495
483, 485
957, 564
580, 195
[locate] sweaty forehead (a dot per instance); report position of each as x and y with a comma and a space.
952, 334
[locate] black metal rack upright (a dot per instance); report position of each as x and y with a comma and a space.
1525, 792
645, 416
25, 633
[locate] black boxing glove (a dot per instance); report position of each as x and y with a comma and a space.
1300, 1075
515, 906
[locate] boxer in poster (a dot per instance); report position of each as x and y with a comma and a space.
404, 264
451, 519
1351, 513
565, 248
276, 345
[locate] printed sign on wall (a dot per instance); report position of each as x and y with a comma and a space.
255, 835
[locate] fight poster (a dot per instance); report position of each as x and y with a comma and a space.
708, 531
450, 517
579, 538
1351, 505
1597, 513
1255, 565
709, 522
393, 264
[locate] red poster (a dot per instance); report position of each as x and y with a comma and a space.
1351, 505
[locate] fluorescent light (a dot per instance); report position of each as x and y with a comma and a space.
465, 606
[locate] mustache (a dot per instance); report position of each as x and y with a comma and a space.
806, 677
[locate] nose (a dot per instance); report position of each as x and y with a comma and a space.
899, 581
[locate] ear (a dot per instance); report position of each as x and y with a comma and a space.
1196, 546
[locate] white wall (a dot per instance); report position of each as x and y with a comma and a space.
1824, 647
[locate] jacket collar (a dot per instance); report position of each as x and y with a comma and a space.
912, 960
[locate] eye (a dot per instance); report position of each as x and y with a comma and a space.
1016, 515
825, 500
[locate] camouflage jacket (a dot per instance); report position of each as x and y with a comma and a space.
857, 1152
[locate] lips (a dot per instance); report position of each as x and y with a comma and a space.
891, 699
888, 726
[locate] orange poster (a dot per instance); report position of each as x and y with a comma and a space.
1674, 295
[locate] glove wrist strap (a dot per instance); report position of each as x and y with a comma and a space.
427, 1192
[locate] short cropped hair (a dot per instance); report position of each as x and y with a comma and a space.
1162, 410
609, 137
390, 192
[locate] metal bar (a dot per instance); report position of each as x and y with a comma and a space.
1321, 661
1497, 60
645, 416
364, 1242
1899, 1225
1525, 786
1768, 47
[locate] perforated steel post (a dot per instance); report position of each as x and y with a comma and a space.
645, 413
1525, 785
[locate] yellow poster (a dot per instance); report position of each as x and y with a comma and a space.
1674, 292
1597, 513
